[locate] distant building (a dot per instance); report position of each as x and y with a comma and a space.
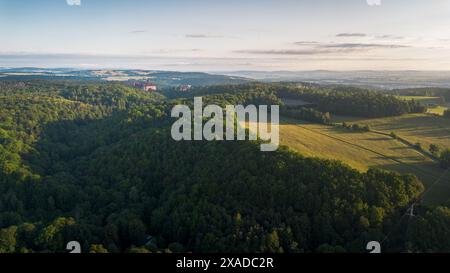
184, 88
146, 86
149, 87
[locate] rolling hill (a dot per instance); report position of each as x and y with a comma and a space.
162, 78
365, 150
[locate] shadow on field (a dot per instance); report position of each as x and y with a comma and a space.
423, 125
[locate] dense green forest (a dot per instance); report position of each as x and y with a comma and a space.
307, 114
351, 101
95, 163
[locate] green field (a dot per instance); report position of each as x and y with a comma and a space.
365, 150
436, 105
416, 128
423, 99
418, 98
438, 110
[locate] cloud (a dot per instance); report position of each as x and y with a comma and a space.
379, 36
73, 2
202, 36
306, 43
363, 46
286, 51
321, 49
374, 2
172, 51
351, 35
137, 31
389, 37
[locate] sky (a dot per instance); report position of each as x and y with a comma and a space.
226, 35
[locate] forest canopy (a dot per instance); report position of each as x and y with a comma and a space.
95, 163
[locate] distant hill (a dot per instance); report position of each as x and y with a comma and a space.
390, 80
162, 78
378, 79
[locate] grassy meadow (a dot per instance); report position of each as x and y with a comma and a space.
364, 150
436, 105
416, 128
